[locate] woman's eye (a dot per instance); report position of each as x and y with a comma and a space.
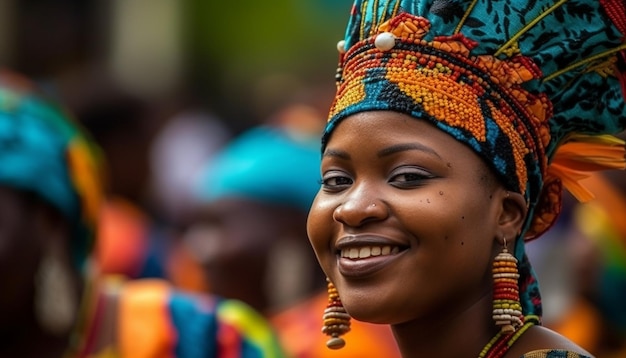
336, 182
407, 179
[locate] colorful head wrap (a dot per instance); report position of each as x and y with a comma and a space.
269, 164
530, 86
44, 152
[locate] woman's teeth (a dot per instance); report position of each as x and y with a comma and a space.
368, 251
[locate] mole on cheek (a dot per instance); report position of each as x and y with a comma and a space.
440, 192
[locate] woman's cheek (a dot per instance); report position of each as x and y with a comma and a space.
319, 223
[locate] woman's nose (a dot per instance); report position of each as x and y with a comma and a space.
359, 209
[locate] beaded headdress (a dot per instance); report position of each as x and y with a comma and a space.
533, 87
43, 151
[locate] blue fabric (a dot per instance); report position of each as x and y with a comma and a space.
266, 164
32, 151
196, 325
198, 319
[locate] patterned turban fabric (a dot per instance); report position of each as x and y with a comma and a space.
535, 88
44, 152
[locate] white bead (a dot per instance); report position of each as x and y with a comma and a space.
385, 41
341, 46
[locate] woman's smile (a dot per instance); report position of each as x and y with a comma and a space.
359, 256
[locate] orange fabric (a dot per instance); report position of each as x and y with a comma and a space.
144, 330
299, 330
122, 238
184, 271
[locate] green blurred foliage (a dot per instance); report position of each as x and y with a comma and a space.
233, 44
249, 37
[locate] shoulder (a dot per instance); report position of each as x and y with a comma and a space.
541, 342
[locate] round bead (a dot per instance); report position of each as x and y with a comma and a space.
335, 343
385, 41
341, 46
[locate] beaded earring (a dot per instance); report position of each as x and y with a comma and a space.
507, 310
336, 319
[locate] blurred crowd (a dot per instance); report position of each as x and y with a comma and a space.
206, 153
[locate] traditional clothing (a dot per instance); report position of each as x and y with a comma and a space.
152, 319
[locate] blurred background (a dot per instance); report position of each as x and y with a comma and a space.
129, 69
162, 86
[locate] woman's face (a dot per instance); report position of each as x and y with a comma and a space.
406, 220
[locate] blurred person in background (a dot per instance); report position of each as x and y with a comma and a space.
594, 316
249, 232
129, 241
187, 140
248, 229
55, 303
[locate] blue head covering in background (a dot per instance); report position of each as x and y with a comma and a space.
268, 164
44, 152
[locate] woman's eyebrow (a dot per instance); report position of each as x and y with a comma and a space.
406, 146
336, 153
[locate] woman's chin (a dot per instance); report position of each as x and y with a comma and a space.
369, 314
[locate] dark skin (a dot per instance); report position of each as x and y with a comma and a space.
443, 215
28, 227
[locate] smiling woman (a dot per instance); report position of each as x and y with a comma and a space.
372, 193
454, 129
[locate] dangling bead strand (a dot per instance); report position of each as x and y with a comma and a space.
336, 319
341, 48
507, 310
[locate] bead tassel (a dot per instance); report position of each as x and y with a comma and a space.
507, 310
336, 319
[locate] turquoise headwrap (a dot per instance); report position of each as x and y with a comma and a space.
530, 86
43, 152
267, 164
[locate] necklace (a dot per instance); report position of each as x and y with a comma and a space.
499, 345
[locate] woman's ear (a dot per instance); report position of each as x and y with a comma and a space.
512, 215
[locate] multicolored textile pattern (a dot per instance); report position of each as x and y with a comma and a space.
158, 321
533, 87
255, 165
43, 151
553, 353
